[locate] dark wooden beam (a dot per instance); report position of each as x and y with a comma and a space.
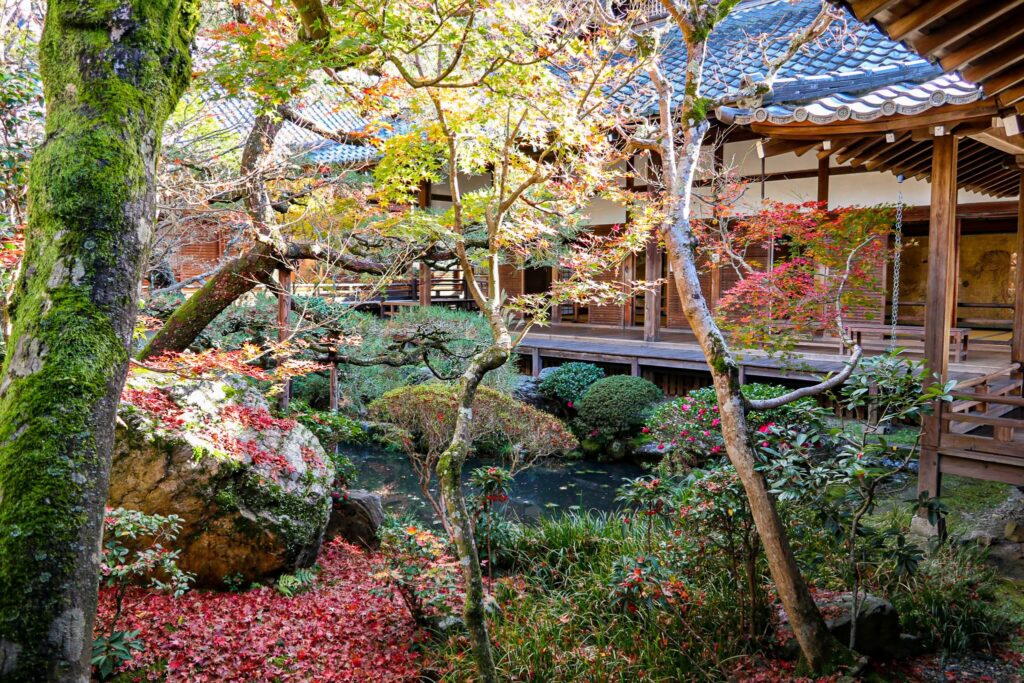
1010, 96
856, 150
652, 297
966, 23
823, 174
556, 309
993, 62
922, 16
1005, 79
867, 9
903, 155
1007, 31
944, 115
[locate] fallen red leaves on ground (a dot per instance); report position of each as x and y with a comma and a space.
337, 631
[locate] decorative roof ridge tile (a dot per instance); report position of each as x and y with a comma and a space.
907, 98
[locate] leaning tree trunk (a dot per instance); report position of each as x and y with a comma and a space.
112, 73
460, 522
230, 283
817, 644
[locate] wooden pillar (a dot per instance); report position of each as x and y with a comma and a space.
823, 165
716, 285
536, 363
628, 275
333, 360
556, 309
939, 301
425, 284
652, 297
284, 306
1017, 345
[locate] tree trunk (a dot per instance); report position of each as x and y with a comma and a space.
816, 643
460, 522
232, 281
112, 73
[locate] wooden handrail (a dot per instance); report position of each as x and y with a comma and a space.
985, 420
975, 381
990, 398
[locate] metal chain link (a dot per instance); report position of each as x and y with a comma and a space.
897, 262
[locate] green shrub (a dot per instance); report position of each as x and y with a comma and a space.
313, 389
687, 428
426, 415
951, 601
569, 382
616, 406
329, 428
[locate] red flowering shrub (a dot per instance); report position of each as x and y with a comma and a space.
688, 429
338, 631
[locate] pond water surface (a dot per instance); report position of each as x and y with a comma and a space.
552, 487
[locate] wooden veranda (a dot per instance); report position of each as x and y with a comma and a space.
981, 434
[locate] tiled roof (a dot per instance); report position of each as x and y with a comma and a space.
852, 72
326, 109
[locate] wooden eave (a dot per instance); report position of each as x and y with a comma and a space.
984, 41
986, 156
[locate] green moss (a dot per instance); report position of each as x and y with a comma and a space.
73, 305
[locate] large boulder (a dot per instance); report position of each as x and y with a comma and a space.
357, 516
253, 490
878, 625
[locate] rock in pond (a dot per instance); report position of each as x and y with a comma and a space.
253, 490
356, 517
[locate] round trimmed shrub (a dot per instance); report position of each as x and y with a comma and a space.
569, 382
617, 405
425, 418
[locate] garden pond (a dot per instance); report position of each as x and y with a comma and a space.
549, 487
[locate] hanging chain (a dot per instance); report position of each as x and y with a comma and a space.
897, 262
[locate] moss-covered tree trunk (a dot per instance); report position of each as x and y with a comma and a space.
231, 282
459, 521
112, 71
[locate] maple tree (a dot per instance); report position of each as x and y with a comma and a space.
518, 93
91, 199
825, 263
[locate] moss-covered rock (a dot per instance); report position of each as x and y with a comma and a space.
254, 490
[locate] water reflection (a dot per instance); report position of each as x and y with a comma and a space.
544, 489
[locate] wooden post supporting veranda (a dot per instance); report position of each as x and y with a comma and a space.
425, 284
939, 302
823, 174
556, 309
284, 307
652, 297
332, 359
1017, 345
425, 276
